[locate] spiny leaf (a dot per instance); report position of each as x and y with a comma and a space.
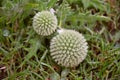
87, 18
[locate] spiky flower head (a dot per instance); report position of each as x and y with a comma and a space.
68, 48
44, 23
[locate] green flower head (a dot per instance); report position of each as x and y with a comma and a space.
68, 48
44, 23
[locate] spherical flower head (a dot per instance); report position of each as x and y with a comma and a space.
68, 48
44, 23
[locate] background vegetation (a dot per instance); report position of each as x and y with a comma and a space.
24, 55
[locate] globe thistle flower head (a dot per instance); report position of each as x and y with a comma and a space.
68, 48
44, 23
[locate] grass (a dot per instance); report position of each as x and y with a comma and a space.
24, 55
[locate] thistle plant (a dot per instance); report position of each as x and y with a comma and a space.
44, 23
68, 48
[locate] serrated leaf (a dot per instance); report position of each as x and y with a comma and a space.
87, 18
91, 18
